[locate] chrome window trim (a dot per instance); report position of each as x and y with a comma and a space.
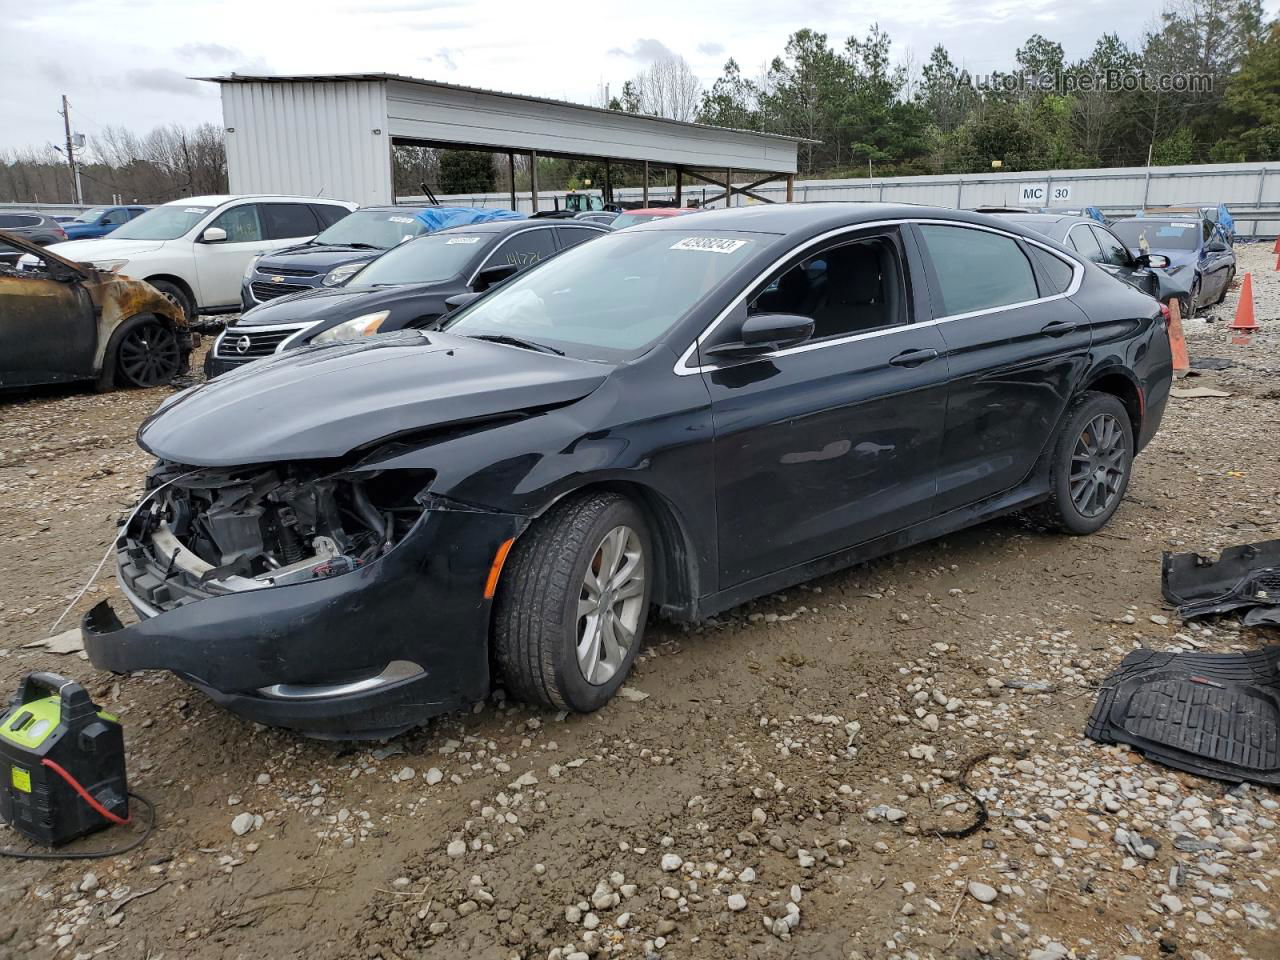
682, 369
511, 236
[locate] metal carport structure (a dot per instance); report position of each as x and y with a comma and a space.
331, 135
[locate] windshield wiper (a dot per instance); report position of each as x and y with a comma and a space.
516, 342
362, 246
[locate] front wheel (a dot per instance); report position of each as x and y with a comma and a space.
178, 297
572, 603
1092, 461
147, 354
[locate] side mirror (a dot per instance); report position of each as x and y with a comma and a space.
1157, 261
766, 332
1216, 246
213, 235
491, 276
461, 300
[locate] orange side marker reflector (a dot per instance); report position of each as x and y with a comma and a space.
495, 571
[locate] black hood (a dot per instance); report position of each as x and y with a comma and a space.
335, 304
327, 400
319, 258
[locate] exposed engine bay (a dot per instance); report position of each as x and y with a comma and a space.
216, 530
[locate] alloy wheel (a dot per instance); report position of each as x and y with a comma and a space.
610, 604
1098, 465
149, 355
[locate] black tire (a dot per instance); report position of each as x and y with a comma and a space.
1064, 510
537, 622
145, 353
178, 297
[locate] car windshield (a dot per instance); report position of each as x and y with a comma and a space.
1157, 235
428, 259
609, 298
163, 223
90, 216
373, 228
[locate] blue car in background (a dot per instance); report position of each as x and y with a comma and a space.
1215, 213
1198, 253
347, 244
100, 221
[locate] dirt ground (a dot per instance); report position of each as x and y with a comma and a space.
775, 786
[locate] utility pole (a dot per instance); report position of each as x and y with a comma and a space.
71, 154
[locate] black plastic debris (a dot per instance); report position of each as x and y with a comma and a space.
1215, 715
1211, 363
1244, 576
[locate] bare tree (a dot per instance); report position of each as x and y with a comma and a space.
668, 88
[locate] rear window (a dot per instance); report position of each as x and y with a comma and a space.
1055, 273
12, 220
977, 269
1154, 235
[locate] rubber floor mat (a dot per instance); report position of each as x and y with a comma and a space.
1216, 715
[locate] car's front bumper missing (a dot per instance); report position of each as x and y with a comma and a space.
365, 654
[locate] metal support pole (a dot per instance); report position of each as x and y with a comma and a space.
533, 177
728, 189
607, 194
959, 191
791, 187
645, 195
1146, 183
1262, 179
679, 185
511, 169
71, 152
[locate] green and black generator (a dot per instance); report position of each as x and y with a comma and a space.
61, 762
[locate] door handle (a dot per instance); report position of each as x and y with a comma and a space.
913, 358
1057, 328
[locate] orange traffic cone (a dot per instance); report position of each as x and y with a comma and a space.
1244, 320
1177, 342
1276, 251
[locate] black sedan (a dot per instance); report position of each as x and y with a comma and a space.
408, 286
679, 416
1093, 241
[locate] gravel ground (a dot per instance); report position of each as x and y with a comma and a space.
777, 782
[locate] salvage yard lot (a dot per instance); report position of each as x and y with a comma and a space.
803, 750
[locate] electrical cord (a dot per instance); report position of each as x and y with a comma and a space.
101, 811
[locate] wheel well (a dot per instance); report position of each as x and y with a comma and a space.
1121, 387
180, 284
676, 579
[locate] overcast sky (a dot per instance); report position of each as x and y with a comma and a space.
126, 62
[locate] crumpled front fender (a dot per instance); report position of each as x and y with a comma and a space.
422, 602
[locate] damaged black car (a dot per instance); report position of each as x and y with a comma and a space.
351, 537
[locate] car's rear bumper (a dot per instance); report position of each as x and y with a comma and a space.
365, 654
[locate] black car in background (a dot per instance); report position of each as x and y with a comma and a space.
1095, 242
407, 286
679, 416
344, 245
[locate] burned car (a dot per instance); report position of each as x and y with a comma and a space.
349, 537
62, 321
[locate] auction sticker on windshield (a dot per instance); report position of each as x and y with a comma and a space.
709, 244
462, 240
1185, 226
399, 219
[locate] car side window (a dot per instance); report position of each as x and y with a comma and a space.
1113, 251
114, 217
1082, 239
287, 221
846, 289
572, 236
136, 212
1055, 273
241, 223
524, 249
328, 213
977, 269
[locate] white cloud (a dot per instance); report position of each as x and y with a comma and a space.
125, 61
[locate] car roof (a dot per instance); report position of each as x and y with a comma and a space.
660, 211
218, 199
395, 208
817, 216
511, 226
1147, 218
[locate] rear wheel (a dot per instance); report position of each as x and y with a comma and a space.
178, 297
571, 606
1092, 461
147, 353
